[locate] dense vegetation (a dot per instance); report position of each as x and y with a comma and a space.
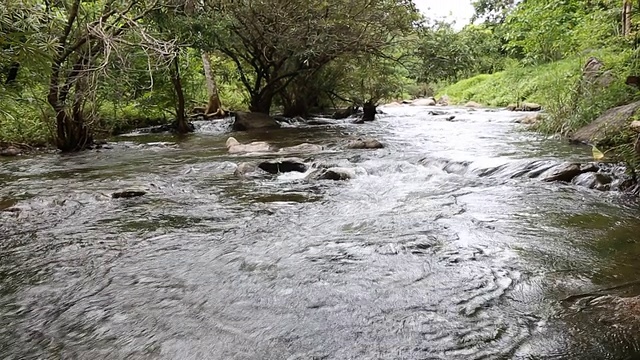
71, 70
543, 46
74, 69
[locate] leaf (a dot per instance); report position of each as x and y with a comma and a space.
597, 154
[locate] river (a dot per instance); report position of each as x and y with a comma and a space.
418, 257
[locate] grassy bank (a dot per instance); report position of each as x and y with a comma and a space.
569, 104
555, 86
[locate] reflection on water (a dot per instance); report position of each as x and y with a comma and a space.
417, 257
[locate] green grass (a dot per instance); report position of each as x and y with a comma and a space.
542, 84
567, 102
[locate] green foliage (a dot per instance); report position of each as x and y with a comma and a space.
549, 30
449, 55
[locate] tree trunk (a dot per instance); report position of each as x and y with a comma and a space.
261, 103
214, 106
72, 134
369, 111
182, 127
626, 17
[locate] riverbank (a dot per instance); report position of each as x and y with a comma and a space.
573, 93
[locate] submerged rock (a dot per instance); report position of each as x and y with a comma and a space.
302, 148
245, 168
125, 194
334, 173
235, 147
365, 144
283, 165
245, 121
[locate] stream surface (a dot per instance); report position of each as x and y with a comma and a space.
418, 257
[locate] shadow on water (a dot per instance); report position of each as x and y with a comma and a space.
424, 254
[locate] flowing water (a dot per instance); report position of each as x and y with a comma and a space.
419, 257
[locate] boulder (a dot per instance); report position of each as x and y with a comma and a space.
424, 102
473, 104
531, 119
593, 180
235, 147
525, 106
611, 122
246, 121
302, 148
283, 166
593, 73
10, 151
125, 194
365, 144
443, 101
564, 172
244, 168
635, 126
335, 173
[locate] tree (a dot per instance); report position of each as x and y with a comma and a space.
273, 42
85, 34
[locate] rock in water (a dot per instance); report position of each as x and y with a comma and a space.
246, 121
10, 151
593, 180
444, 101
473, 104
302, 148
283, 166
235, 147
563, 172
424, 102
336, 174
437, 112
244, 168
128, 194
525, 106
365, 144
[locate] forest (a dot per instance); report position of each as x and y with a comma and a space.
72, 71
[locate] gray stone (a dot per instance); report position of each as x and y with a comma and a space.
283, 165
473, 104
424, 102
246, 121
365, 144
563, 172
612, 121
125, 194
302, 148
336, 174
